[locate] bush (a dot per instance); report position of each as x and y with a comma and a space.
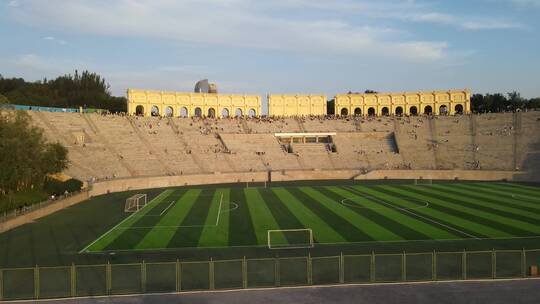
56, 187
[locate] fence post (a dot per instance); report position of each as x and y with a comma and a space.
403, 267
277, 272
341, 268
73, 280
143, 276
211, 282
309, 270
464, 264
108, 277
523, 263
244, 273
372, 267
178, 281
434, 265
1, 284
36, 282
493, 264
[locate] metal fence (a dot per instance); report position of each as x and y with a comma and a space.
112, 279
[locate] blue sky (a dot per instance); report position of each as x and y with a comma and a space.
278, 46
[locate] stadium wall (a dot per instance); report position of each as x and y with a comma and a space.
39, 213
296, 105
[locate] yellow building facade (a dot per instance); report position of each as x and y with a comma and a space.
296, 105
160, 103
409, 103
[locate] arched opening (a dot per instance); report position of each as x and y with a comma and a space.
139, 111
238, 112
399, 111
413, 111
183, 112
344, 112
443, 110
428, 110
155, 111
198, 112
225, 113
169, 111
357, 112
385, 111
459, 109
211, 113
371, 112
252, 113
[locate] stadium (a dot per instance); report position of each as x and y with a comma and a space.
174, 204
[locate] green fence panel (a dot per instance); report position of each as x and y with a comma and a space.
293, 271
532, 258
126, 279
261, 273
357, 268
228, 274
479, 265
388, 267
54, 282
449, 265
508, 264
160, 277
325, 270
195, 275
91, 280
18, 284
419, 266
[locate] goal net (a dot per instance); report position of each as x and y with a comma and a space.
290, 238
135, 203
422, 181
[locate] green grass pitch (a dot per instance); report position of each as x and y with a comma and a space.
343, 214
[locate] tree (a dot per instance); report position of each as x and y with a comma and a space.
25, 157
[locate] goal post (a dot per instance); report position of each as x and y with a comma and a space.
290, 238
136, 202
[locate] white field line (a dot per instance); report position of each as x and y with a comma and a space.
121, 222
172, 202
325, 243
415, 214
219, 210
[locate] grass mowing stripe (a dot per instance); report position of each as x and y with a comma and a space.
132, 235
533, 195
404, 222
440, 214
506, 222
262, 218
281, 213
477, 216
490, 203
241, 232
108, 237
531, 189
342, 222
364, 228
509, 198
322, 232
164, 230
193, 223
217, 236
410, 210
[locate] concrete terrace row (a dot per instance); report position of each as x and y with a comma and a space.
111, 146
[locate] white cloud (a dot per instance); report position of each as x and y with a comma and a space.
54, 39
229, 23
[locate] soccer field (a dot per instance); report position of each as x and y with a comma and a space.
230, 217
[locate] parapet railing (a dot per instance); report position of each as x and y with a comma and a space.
178, 276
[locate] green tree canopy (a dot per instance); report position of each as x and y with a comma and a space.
84, 89
25, 157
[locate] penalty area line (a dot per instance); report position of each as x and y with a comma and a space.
121, 222
219, 210
172, 202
